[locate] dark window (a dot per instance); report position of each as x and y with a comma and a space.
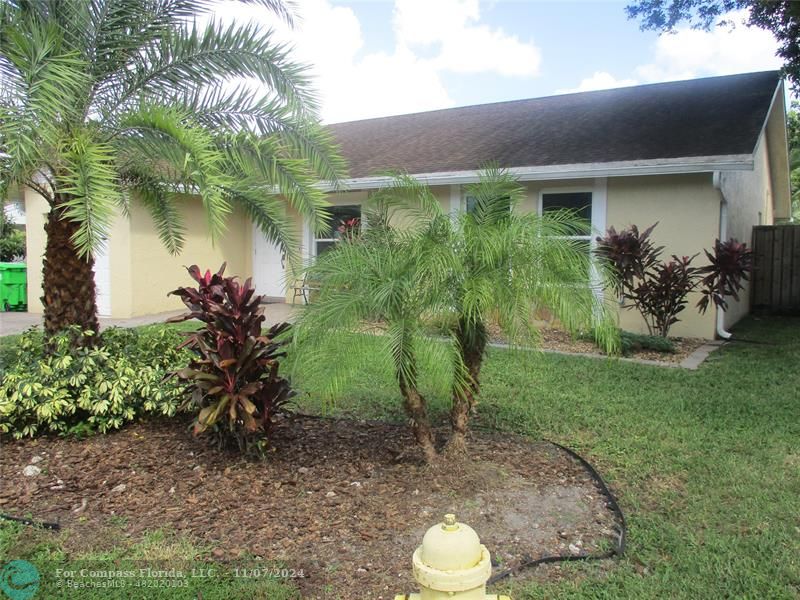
579, 203
471, 203
344, 220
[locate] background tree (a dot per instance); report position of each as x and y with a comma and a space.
780, 17
107, 102
12, 240
793, 134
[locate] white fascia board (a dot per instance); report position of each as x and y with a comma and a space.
777, 96
699, 164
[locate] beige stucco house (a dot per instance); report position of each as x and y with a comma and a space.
705, 158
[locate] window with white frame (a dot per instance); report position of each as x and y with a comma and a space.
345, 221
471, 203
579, 203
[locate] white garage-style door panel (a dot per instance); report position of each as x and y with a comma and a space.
269, 275
102, 280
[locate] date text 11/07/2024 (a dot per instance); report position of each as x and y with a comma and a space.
274, 573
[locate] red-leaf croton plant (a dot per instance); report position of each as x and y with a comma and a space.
236, 387
659, 289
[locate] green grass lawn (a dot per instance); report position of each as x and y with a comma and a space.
195, 575
706, 464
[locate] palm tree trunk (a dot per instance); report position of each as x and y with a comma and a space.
459, 420
472, 339
417, 411
67, 279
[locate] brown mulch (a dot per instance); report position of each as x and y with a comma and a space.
343, 501
559, 340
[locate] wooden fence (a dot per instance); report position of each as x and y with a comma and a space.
776, 269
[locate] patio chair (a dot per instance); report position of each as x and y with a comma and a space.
304, 289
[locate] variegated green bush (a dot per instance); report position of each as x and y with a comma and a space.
90, 389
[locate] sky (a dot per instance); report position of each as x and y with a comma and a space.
373, 58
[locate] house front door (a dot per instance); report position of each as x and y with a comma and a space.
269, 274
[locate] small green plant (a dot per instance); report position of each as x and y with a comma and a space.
52, 387
234, 374
631, 342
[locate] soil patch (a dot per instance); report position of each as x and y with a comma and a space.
561, 341
344, 501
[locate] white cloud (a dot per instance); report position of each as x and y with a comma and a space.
690, 53
353, 85
420, 22
600, 80
464, 45
430, 38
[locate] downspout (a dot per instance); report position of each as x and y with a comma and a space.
723, 235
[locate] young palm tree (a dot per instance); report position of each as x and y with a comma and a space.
373, 281
508, 266
108, 102
489, 263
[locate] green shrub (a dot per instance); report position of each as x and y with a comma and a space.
91, 389
631, 342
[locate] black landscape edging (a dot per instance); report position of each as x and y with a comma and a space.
24, 521
617, 550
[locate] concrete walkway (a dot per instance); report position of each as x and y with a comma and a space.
17, 322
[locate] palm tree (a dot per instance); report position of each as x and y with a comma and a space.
490, 262
106, 102
505, 267
370, 282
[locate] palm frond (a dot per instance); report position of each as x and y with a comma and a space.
186, 58
368, 286
88, 180
268, 212
235, 109
41, 83
496, 194
180, 150
162, 204
314, 143
263, 161
411, 197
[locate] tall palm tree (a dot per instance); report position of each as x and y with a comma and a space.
491, 262
108, 102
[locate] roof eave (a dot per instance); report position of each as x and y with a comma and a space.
671, 166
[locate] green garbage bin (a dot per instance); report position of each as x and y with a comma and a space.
13, 286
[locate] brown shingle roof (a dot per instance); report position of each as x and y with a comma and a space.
701, 117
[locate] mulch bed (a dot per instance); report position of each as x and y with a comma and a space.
561, 341
343, 501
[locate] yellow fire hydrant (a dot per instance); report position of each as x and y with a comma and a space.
451, 563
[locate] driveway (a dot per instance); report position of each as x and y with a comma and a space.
17, 322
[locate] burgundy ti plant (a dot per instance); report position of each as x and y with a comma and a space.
236, 387
659, 290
